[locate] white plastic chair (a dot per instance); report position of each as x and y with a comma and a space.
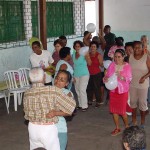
13, 81
3, 95
24, 73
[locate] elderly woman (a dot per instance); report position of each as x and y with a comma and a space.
140, 64
63, 63
145, 44
119, 96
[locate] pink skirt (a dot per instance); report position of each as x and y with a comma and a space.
118, 103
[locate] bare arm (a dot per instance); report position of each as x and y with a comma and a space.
148, 74
103, 42
100, 59
88, 59
54, 113
86, 39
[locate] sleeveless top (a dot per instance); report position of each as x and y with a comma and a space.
80, 66
94, 68
139, 69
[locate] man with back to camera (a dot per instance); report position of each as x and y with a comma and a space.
38, 102
134, 138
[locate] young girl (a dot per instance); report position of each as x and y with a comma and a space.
62, 80
58, 44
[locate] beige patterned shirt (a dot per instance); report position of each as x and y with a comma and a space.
40, 99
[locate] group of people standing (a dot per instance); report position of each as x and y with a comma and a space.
131, 64
84, 75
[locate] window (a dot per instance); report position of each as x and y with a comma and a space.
11, 21
34, 9
59, 18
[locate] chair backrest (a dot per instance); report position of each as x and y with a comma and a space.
24, 76
12, 79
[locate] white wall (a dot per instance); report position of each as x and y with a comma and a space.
127, 15
90, 13
128, 18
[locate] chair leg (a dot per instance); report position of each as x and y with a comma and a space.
15, 101
8, 100
7, 105
19, 98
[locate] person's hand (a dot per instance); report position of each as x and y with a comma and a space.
142, 80
119, 75
105, 79
51, 114
51, 70
69, 94
100, 33
43, 67
111, 56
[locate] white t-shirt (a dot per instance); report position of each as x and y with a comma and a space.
43, 61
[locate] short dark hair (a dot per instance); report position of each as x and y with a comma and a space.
36, 43
119, 38
94, 42
64, 52
69, 76
128, 44
86, 32
62, 37
58, 41
121, 51
107, 26
135, 137
136, 42
78, 42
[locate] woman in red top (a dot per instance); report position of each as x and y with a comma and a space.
95, 74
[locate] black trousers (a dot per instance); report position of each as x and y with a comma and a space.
93, 87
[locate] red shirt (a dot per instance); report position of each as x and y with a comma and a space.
95, 66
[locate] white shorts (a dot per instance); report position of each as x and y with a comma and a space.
45, 136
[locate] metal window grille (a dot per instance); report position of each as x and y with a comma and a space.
59, 18
34, 11
11, 21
